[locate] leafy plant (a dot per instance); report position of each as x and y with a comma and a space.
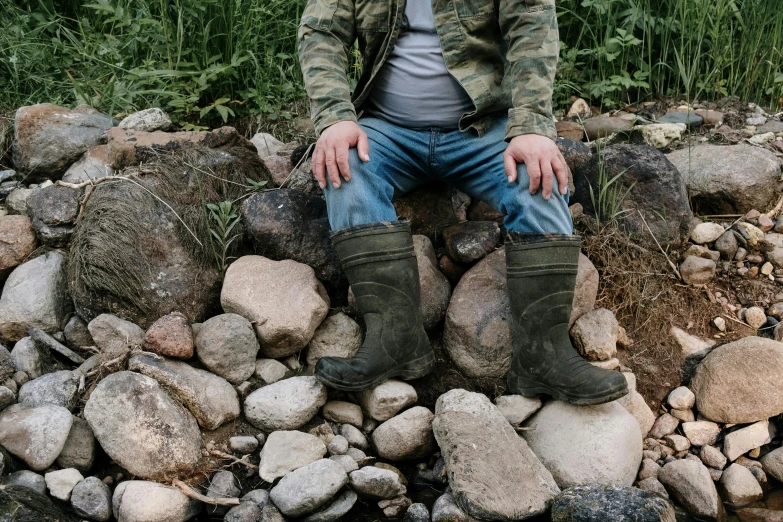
608, 201
223, 219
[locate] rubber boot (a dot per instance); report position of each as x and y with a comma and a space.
541, 272
381, 267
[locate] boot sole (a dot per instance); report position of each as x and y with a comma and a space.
409, 371
532, 389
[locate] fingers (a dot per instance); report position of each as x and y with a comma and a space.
363, 147
546, 179
319, 170
341, 154
331, 167
510, 166
561, 172
534, 172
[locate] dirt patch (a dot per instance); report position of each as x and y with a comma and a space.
641, 288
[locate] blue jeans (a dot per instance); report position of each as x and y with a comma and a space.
401, 159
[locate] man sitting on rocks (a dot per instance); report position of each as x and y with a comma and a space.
437, 79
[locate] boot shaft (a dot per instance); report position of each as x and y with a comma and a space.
541, 275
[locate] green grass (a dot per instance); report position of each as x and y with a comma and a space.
207, 61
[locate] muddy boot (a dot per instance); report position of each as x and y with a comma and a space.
381, 267
541, 272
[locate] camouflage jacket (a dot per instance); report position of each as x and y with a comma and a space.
503, 52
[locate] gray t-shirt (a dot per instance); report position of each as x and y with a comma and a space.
414, 89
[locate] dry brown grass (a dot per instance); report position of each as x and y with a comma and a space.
648, 298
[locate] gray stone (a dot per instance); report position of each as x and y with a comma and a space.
713, 457
115, 337
386, 400
492, 471
61, 482
338, 446
697, 270
308, 488
142, 501
727, 245
266, 144
341, 505
337, 336
94, 164
53, 211
689, 119
147, 120
377, 483
417, 512
35, 435
343, 412
435, 288
599, 503
354, 437
77, 334
728, 179
357, 455
48, 138
283, 299
285, 405
407, 436
583, 445
7, 397
244, 512
27, 479
259, 497
605, 126
226, 345
635, 404
211, 399
773, 463
681, 398
446, 509
35, 295
738, 486
223, 484
346, 461
270, 370
741, 382
47, 343
58, 389
701, 433
595, 334
243, 444
17, 201
516, 408
7, 368
746, 439
691, 485
28, 358
653, 485
286, 451
80, 447
143, 429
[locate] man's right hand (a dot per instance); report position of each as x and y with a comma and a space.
331, 152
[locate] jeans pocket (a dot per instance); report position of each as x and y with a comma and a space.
319, 14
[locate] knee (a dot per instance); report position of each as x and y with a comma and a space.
531, 213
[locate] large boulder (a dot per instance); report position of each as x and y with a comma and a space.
492, 472
57, 388
17, 241
741, 382
690, 484
35, 435
142, 501
35, 296
211, 399
476, 334
729, 179
584, 445
144, 248
289, 224
48, 138
647, 188
283, 299
143, 429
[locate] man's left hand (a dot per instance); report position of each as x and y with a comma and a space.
543, 160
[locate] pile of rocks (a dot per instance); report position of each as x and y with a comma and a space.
111, 409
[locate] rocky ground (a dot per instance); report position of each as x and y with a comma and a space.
142, 382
